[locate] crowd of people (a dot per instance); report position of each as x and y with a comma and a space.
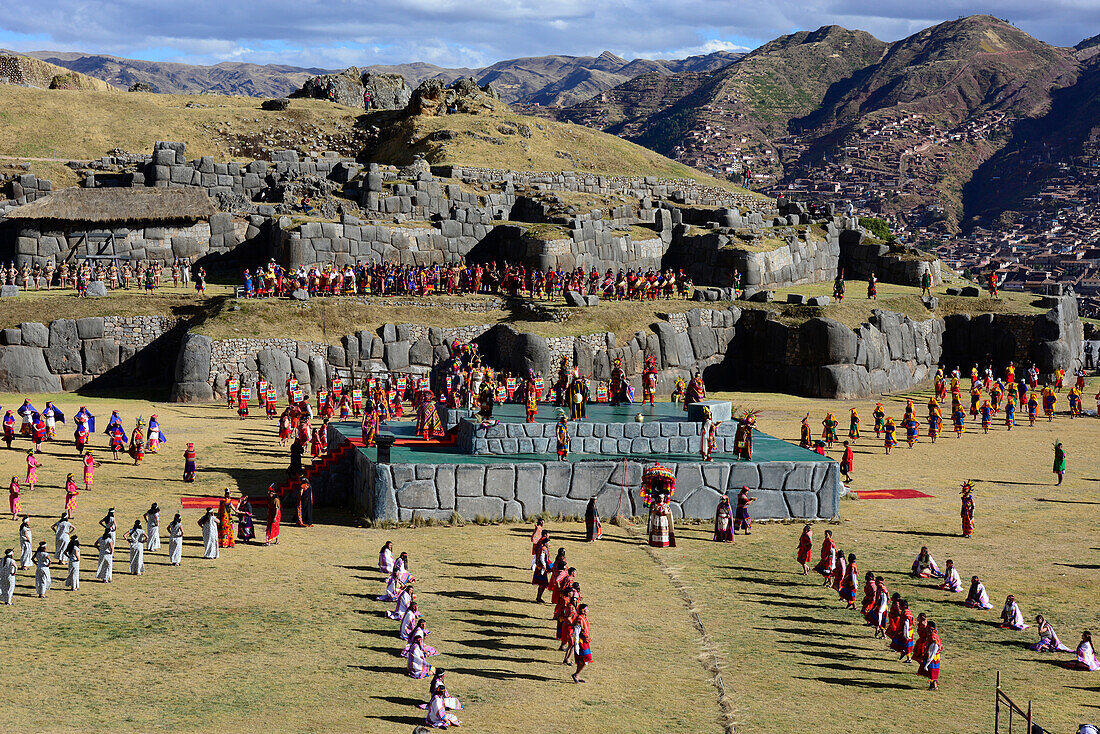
570, 612
413, 631
113, 272
391, 279
990, 398
917, 639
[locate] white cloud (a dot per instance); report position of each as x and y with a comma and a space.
464, 33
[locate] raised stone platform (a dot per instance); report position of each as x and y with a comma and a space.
435, 480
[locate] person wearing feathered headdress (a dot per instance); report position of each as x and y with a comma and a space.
880, 420
805, 439
967, 508
562, 436
853, 425
829, 432
649, 380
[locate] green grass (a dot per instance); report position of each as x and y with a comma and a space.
856, 308
288, 638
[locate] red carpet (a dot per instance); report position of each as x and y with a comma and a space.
890, 494
201, 503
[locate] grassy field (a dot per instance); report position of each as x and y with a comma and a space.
856, 308
289, 630
81, 125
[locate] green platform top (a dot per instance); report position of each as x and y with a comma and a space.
765, 447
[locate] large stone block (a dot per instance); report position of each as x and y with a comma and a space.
445, 485
744, 474
689, 479
769, 505
470, 481
773, 474
827, 341
417, 494
701, 503
472, 507
500, 481
101, 355
564, 506
529, 486
396, 355
34, 334
90, 328
802, 505
23, 370
589, 478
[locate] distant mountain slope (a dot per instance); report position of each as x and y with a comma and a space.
247, 80
30, 72
545, 80
737, 111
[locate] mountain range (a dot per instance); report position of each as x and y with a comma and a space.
542, 80
934, 125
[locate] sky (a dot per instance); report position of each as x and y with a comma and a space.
475, 33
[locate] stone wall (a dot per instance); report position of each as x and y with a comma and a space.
522, 491
22, 189
68, 354
654, 437
162, 243
859, 258
681, 191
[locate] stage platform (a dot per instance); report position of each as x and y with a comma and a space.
517, 475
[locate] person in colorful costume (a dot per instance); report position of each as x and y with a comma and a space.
967, 512
829, 432
561, 432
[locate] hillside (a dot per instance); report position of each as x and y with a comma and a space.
906, 127
737, 112
27, 72
546, 80
81, 125
61, 125
228, 78
504, 139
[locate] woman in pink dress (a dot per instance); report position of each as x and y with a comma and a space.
32, 469
13, 498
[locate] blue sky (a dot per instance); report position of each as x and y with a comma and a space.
340, 33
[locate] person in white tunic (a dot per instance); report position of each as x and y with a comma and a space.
175, 540
106, 547
1048, 638
209, 525
136, 536
72, 555
7, 577
152, 528
385, 558
61, 530
404, 599
977, 598
1011, 616
951, 580
109, 525
25, 540
41, 570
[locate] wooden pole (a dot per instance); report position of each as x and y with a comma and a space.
1029, 717
997, 706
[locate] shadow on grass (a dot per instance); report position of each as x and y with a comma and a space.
920, 533
364, 568
400, 700
1086, 566
1024, 484
496, 613
848, 682
404, 720
811, 652
498, 644
810, 620
461, 594
498, 674
477, 565
807, 632
854, 668
1066, 502
495, 579
767, 582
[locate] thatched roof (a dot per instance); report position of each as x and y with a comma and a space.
118, 205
